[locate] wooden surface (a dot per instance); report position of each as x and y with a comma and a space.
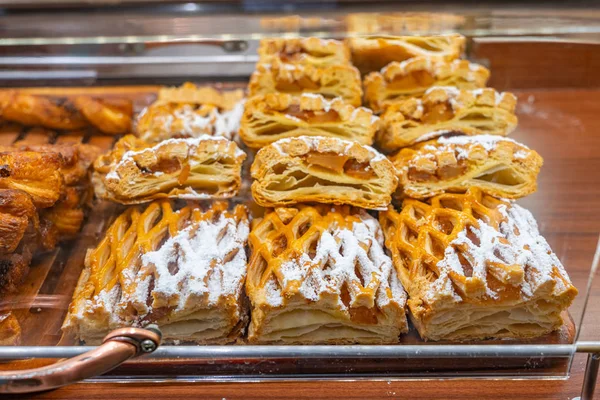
564, 127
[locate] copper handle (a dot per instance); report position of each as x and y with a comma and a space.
117, 347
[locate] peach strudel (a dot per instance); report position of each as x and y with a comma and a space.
476, 267
312, 51
322, 170
371, 53
190, 111
320, 275
445, 110
498, 166
411, 78
268, 118
181, 269
111, 116
334, 81
193, 168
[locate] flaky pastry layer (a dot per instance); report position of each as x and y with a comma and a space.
270, 117
334, 81
371, 53
312, 51
411, 78
446, 110
498, 166
194, 168
320, 275
476, 267
322, 170
182, 269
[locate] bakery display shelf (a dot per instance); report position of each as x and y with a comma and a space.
41, 304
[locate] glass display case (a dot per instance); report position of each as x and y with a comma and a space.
99, 71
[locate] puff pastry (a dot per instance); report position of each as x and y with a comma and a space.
446, 110
320, 275
371, 53
402, 22
268, 118
498, 166
191, 111
181, 269
112, 116
194, 168
334, 81
312, 51
476, 267
411, 78
323, 170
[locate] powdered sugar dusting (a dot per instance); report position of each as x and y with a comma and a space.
489, 142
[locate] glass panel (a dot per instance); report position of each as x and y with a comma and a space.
145, 51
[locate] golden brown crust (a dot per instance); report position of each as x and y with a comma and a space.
194, 168
411, 78
112, 116
476, 267
10, 330
182, 269
312, 51
270, 117
323, 170
334, 81
18, 215
401, 22
320, 275
446, 110
371, 53
188, 93
498, 166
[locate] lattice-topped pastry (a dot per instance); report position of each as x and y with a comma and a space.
112, 116
190, 111
312, 51
181, 269
193, 168
411, 78
371, 53
334, 81
445, 110
320, 275
268, 118
476, 267
498, 166
323, 170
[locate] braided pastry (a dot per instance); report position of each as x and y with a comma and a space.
446, 110
498, 166
181, 269
411, 78
371, 53
476, 267
334, 81
112, 116
311, 51
268, 118
323, 170
320, 275
194, 168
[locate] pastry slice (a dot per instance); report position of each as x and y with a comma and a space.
194, 168
445, 110
411, 78
476, 267
191, 111
401, 22
36, 173
498, 166
311, 51
182, 269
111, 116
319, 275
371, 53
268, 118
322, 170
334, 81
10, 329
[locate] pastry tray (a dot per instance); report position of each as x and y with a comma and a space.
41, 303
